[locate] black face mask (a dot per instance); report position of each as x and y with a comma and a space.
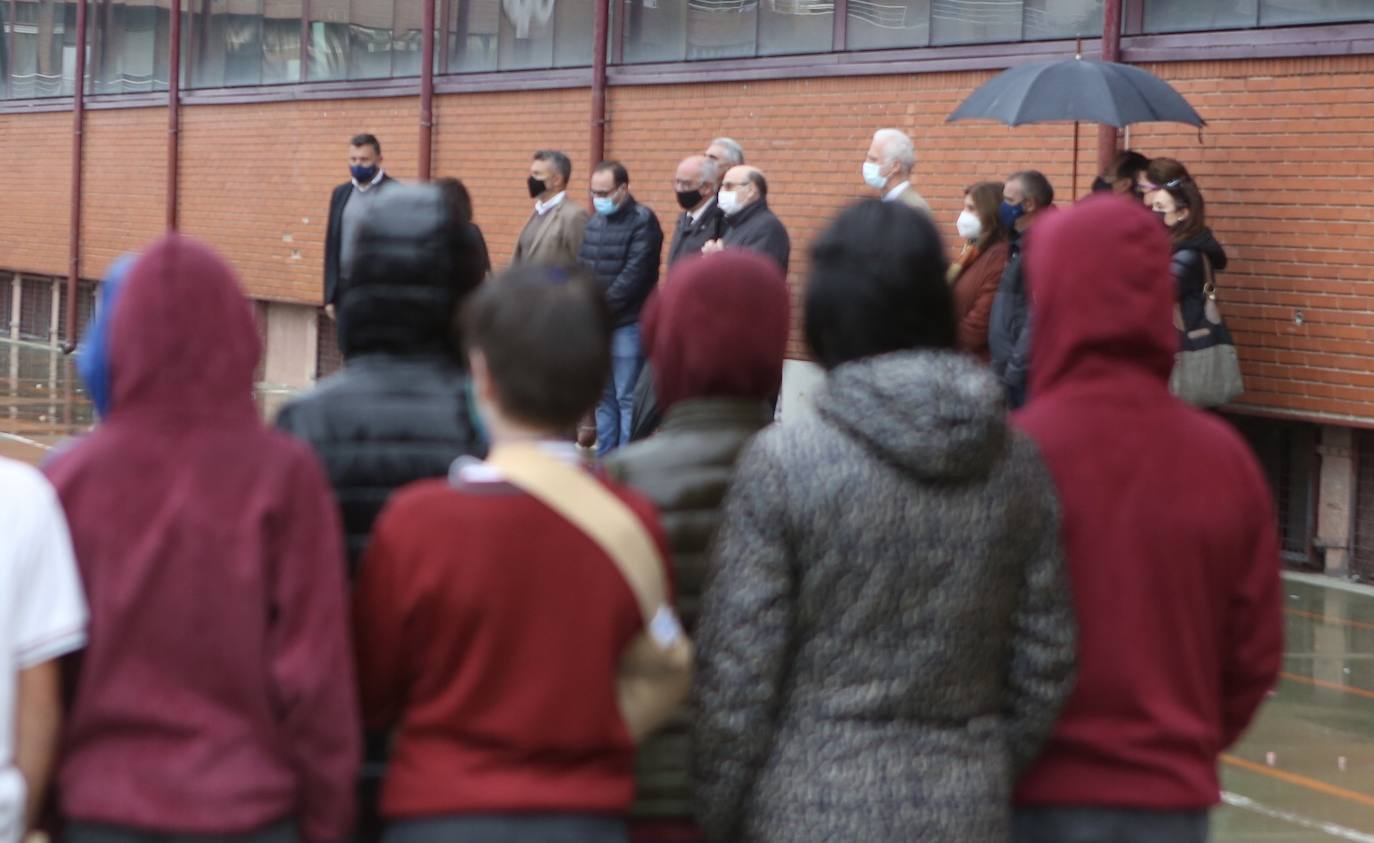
689, 199
537, 187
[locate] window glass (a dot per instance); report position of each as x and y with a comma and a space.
796, 26
572, 34
409, 38
1282, 12
1186, 15
655, 30
526, 38
974, 21
720, 29
1049, 19
878, 24
228, 44
474, 32
43, 60
281, 41
369, 38
128, 46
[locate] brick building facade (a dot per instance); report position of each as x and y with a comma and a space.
1286, 164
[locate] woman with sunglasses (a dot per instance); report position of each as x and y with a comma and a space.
1179, 205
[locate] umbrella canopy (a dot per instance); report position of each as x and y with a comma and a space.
1078, 90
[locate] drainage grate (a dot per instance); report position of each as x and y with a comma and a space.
1287, 451
35, 309
328, 360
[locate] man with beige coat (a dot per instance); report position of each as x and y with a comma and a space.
887, 168
554, 233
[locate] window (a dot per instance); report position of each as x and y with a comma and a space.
1286, 12
226, 43
516, 34
878, 24
128, 46
674, 30
38, 53
1183, 15
796, 26
1192, 15
281, 41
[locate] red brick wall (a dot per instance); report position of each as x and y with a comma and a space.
486, 140
1285, 164
124, 190
35, 207
255, 181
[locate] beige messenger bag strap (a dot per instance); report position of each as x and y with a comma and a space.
656, 668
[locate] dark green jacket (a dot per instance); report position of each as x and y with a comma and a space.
685, 469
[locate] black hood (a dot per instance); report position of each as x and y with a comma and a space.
1207, 244
416, 261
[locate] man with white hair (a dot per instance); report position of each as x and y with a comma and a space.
726, 152
888, 166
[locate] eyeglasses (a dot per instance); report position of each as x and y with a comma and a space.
679, 184
732, 185
1175, 184
603, 194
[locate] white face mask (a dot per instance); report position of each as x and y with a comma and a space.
729, 201
873, 175
970, 227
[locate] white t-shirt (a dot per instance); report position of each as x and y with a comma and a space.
42, 608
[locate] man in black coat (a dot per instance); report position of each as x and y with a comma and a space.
347, 207
1026, 198
621, 247
695, 184
749, 223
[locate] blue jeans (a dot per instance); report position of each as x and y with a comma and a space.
615, 413
1107, 825
497, 828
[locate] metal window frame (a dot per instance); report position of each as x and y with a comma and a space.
1279, 42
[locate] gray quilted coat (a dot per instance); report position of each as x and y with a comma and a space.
888, 634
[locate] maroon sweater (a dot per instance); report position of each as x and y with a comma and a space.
1168, 528
489, 631
216, 695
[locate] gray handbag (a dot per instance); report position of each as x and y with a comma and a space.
1206, 368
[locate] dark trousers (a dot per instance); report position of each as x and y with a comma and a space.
1107, 825
98, 833
498, 828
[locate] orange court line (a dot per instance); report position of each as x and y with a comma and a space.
1322, 683
1300, 781
1324, 619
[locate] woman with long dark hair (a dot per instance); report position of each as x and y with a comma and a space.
977, 271
1197, 254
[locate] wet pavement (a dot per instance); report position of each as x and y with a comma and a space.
42, 401
1303, 774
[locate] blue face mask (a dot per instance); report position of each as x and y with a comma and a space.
604, 205
363, 175
1010, 213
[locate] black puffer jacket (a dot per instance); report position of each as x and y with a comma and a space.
399, 411
622, 250
1190, 273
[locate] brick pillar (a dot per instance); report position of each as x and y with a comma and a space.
1336, 498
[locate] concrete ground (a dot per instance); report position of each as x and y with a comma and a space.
1303, 774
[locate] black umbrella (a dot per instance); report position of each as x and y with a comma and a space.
1077, 90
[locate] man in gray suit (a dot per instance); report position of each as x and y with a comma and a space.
554, 233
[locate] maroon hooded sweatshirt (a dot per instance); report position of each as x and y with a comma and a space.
1168, 528
216, 695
